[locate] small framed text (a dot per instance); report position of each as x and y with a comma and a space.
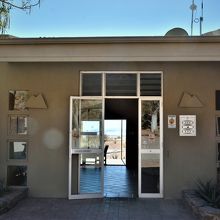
187, 125
171, 121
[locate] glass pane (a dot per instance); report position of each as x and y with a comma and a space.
22, 125
17, 150
121, 84
150, 173
91, 84
75, 123
86, 124
90, 173
150, 84
150, 125
17, 176
91, 117
90, 134
12, 125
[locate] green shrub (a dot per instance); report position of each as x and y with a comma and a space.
209, 192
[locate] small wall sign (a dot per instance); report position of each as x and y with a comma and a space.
187, 125
171, 121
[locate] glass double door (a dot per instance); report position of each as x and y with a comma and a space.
86, 149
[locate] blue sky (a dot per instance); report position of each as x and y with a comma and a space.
113, 127
82, 18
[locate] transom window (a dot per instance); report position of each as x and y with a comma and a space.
123, 84
150, 84
91, 84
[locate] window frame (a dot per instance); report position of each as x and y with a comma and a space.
104, 73
8, 149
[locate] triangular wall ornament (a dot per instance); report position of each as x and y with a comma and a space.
36, 102
190, 101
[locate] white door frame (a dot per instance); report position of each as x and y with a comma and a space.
150, 151
81, 151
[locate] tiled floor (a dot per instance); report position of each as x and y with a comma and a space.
90, 180
118, 181
99, 209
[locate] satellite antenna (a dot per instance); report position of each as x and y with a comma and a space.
193, 7
201, 18
177, 32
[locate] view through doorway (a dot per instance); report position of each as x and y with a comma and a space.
120, 138
115, 142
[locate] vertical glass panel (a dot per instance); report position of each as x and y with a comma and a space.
90, 173
75, 123
121, 84
150, 173
17, 176
86, 124
17, 150
22, 125
91, 117
150, 84
91, 84
75, 174
90, 134
150, 125
12, 125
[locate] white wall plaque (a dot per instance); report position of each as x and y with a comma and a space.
187, 125
171, 121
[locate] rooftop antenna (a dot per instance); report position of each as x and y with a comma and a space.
201, 18
193, 7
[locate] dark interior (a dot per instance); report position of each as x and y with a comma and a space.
126, 109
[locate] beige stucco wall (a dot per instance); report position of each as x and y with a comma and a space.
185, 158
47, 167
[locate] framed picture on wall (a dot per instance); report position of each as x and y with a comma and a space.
18, 99
17, 149
217, 120
18, 125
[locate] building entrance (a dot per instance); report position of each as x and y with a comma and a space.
121, 137
133, 99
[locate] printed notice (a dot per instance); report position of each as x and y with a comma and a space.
187, 125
